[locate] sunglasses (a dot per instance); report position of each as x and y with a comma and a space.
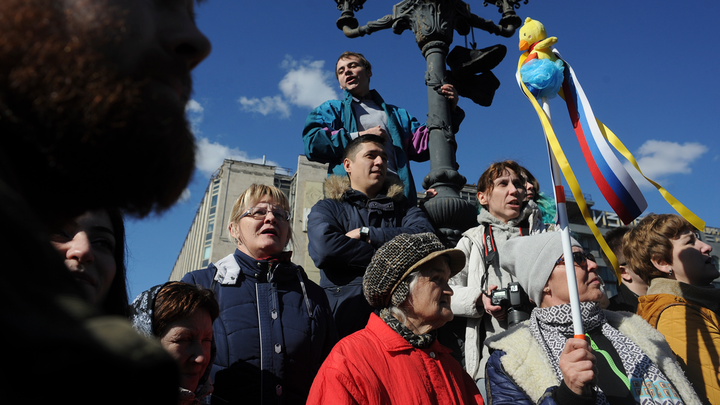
261, 212
580, 258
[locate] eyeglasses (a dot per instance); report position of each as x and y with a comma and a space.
260, 212
580, 258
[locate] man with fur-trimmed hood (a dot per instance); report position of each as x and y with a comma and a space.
359, 214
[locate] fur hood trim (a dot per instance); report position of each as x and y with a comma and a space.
335, 186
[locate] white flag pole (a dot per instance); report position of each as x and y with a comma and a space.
563, 222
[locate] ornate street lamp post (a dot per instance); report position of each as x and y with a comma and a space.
433, 22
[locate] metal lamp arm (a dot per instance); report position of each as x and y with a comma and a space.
509, 23
367, 29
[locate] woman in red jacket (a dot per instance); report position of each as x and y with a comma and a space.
397, 359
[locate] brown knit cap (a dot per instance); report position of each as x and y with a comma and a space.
395, 260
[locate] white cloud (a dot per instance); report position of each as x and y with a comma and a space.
304, 85
265, 105
185, 196
661, 159
209, 156
194, 113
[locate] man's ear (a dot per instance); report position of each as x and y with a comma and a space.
347, 164
625, 274
481, 198
661, 265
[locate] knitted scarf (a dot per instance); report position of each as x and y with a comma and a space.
552, 326
417, 341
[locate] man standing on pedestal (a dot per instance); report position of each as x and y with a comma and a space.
331, 126
361, 211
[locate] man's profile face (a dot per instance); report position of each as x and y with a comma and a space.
352, 76
369, 168
161, 44
94, 92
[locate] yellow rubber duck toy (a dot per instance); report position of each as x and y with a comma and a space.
535, 41
541, 71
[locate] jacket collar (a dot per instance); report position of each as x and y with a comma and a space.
372, 95
708, 297
235, 267
338, 188
529, 212
392, 342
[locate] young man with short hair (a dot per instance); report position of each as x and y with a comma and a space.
331, 126
362, 210
632, 285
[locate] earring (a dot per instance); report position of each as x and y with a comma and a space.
546, 290
671, 274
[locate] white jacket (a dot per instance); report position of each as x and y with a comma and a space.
467, 284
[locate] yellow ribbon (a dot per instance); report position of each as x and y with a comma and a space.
568, 173
677, 205
575, 187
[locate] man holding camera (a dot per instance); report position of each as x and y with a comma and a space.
487, 297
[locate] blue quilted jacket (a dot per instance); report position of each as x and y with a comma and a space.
273, 333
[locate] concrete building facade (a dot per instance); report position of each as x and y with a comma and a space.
209, 240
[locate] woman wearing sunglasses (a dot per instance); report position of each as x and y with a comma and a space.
275, 326
681, 301
621, 359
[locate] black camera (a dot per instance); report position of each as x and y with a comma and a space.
515, 300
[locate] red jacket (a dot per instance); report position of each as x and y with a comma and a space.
377, 366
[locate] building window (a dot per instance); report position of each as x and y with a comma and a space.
207, 245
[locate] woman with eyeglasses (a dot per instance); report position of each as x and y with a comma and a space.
682, 303
620, 360
275, 326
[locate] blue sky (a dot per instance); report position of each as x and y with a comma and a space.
648, 69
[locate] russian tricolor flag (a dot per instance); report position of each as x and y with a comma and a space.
616, 185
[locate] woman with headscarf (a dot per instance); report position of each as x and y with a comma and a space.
180, 316
621, 360
397, 359
681, 302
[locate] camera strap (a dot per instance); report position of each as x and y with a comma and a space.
490, 250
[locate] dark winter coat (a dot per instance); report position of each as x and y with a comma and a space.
342, 260
273, 333
624, 300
